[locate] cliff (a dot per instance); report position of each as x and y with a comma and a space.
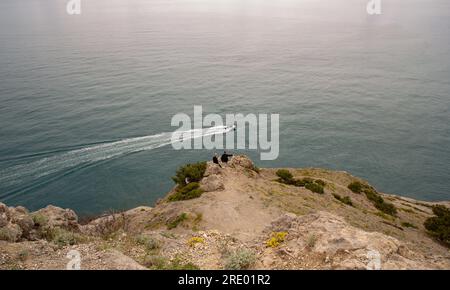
242, 217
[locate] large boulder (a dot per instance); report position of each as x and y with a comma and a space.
15, 223
347, 247
212, 183
58, 217
243, 161
21, 217
212, 169
3, 208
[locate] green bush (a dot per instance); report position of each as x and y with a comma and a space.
39, 220
307, 180
149, 243
157, 262
356, 186
345, 200
439, 225
191, 172
62, 237
178, 264
285, 176
179, 219
373, 196
299, 182
240, 259
314, 187
408, 225
9, 235
386, 207
189, 191
320, 182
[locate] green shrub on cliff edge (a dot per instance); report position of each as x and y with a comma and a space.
356, 186
189, 173
187, 178
439, 225
314, 185
345, 200
285, 176
374, 197
189, 191
240, 259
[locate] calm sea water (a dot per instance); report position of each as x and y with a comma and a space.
365, 94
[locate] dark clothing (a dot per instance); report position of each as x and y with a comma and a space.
224, 157
216, 160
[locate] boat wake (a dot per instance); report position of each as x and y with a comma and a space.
26, 173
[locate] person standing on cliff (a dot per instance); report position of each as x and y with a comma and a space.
216, 160
225, 157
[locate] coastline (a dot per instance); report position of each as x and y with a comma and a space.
240, 210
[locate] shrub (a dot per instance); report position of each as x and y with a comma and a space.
178, 264
8, 235
314, 187
345, 200
311, 241
373, 196
195, 240
299, 182
40, 220
23, 255
320, 182
148, 242
190, 172
285, 176
439, 225
62, 237
189, 191
408, 225
179, 219
386, 207
307, 180
241, 259
112, 223
356, 186
157, 262
276, 238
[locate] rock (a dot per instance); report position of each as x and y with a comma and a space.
58, 217
348, 247
19, 215
211, 183
243, 161
3, 208
212, 169
3, 219
268, 261
283, 223
21, 209
118, 261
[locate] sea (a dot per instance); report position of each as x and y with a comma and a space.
86, 100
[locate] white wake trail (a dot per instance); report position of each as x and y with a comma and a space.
34, 170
